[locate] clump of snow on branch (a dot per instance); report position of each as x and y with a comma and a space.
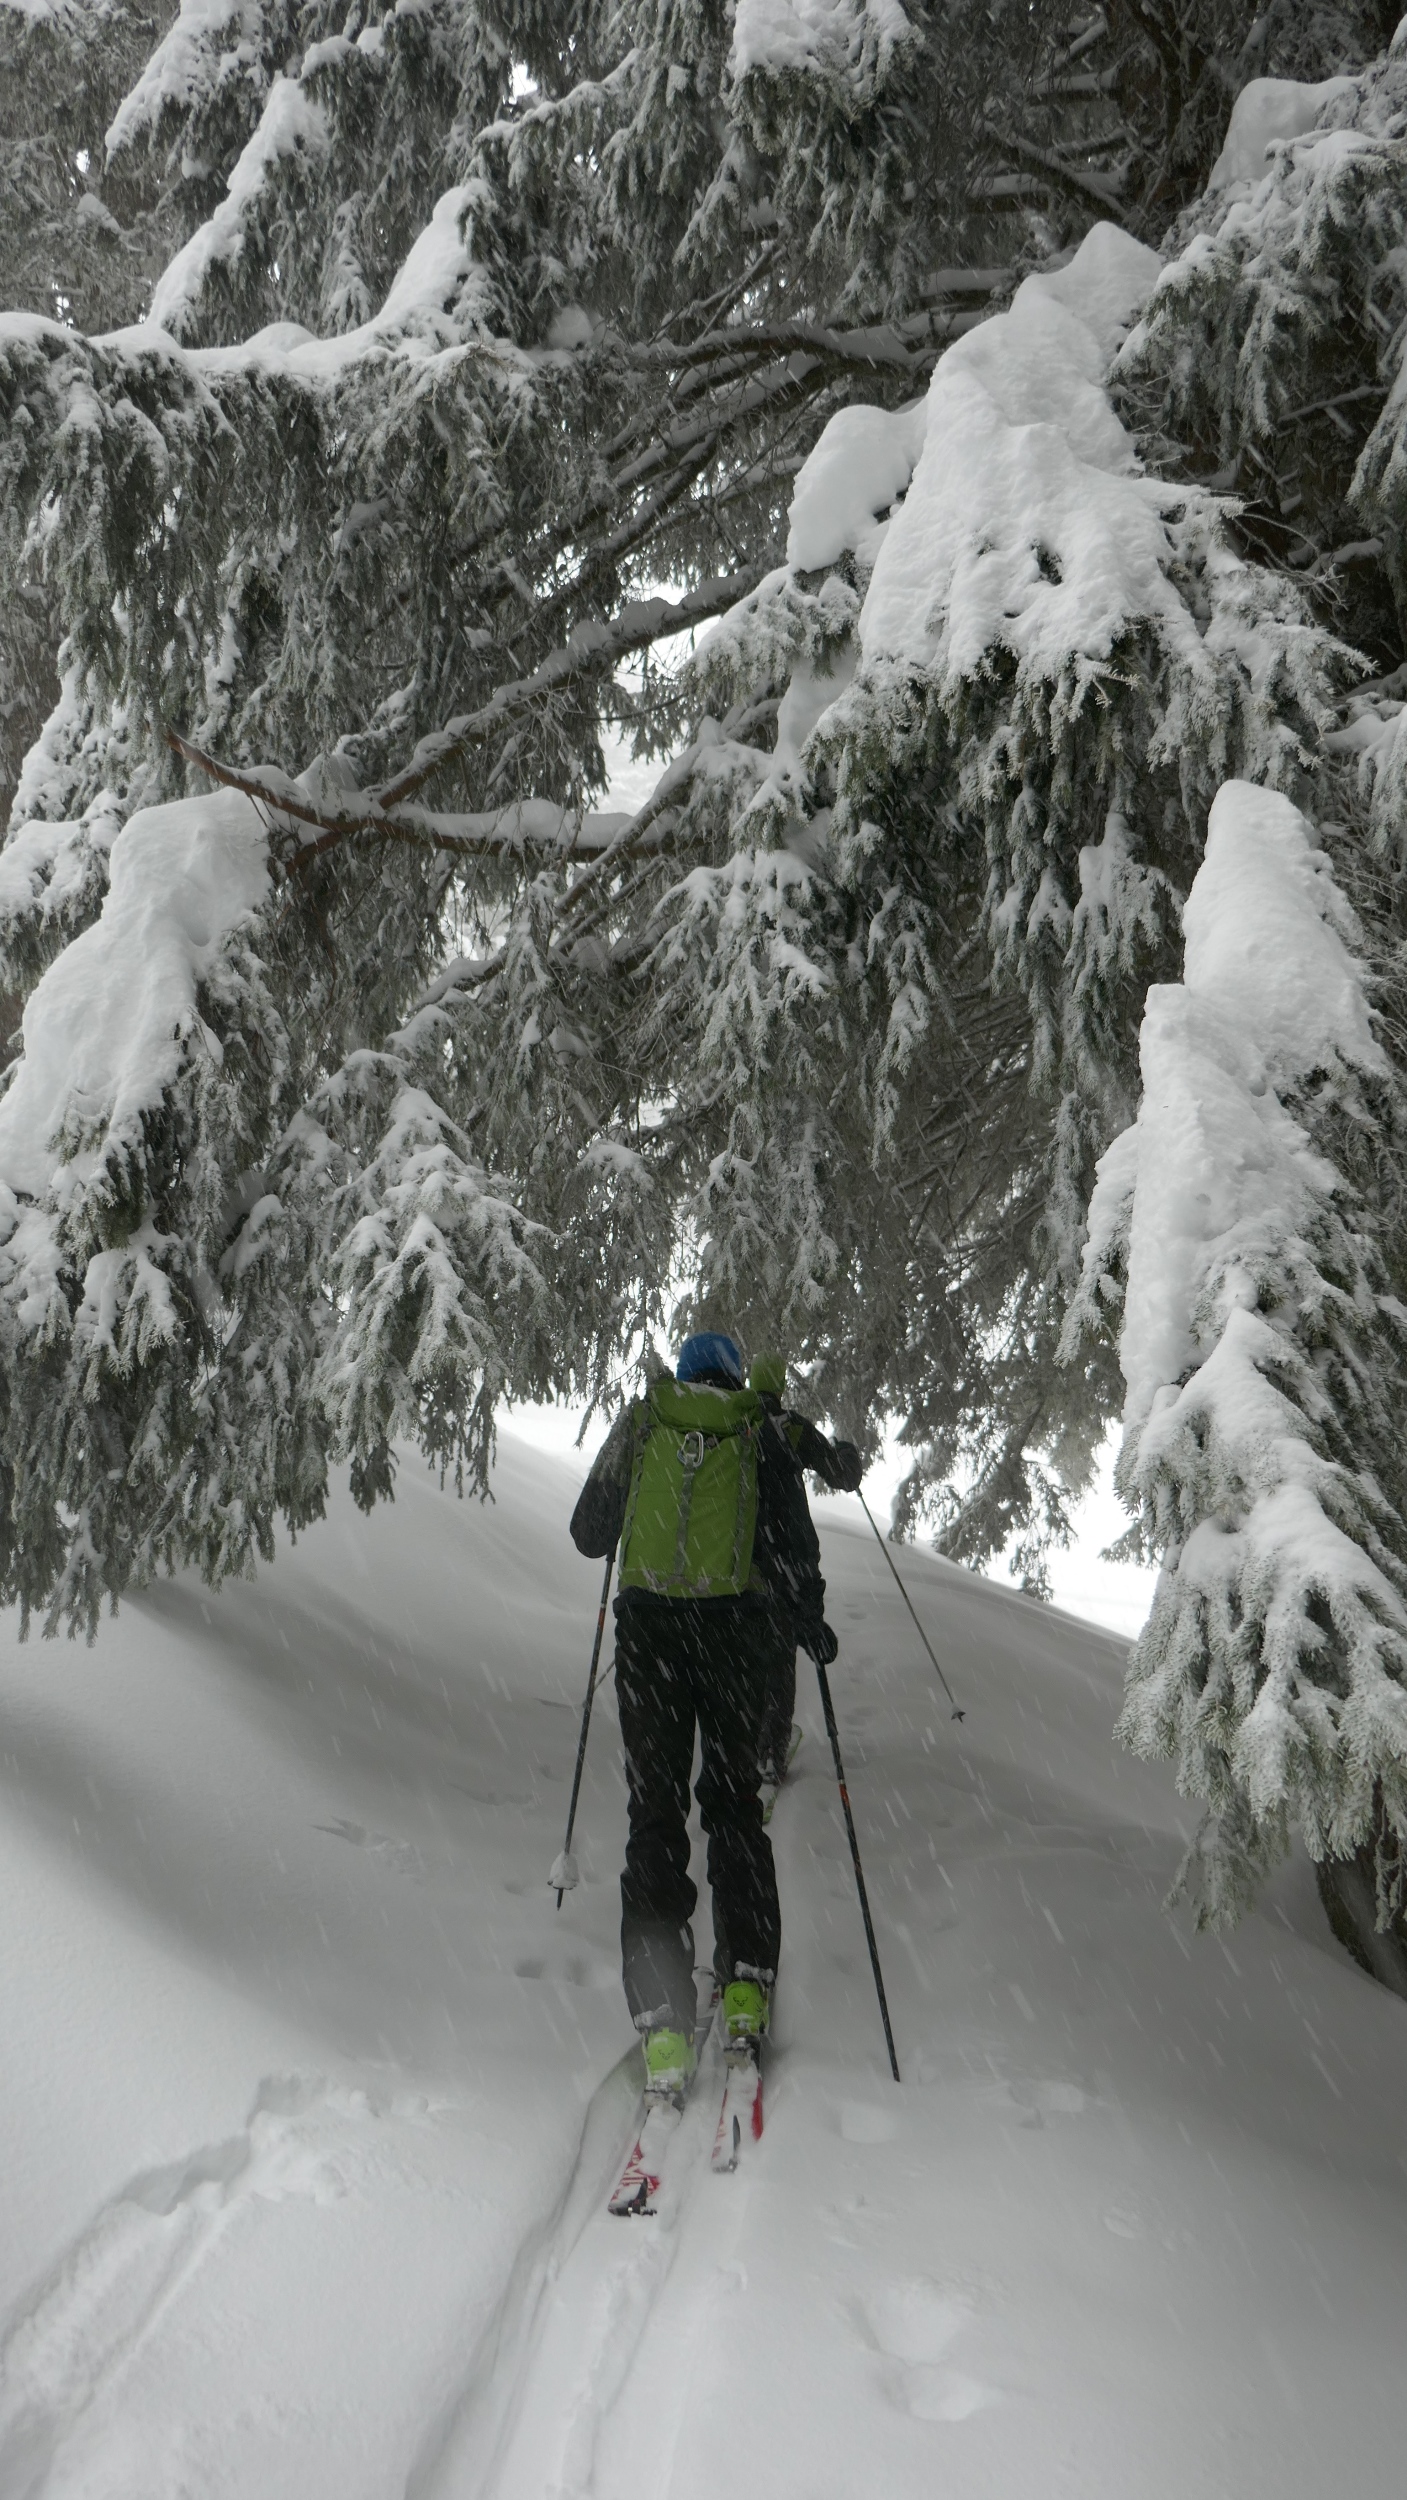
1027, 523
209, 40
1008, 516
438, 294
214, 1275
291, 125
1288, 259
52, 881
145, 1097
844, 39
1264, 1363
1268, 113
963, 506
107, 1028
860, 467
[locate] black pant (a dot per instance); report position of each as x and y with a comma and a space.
681, 1660
779, 1700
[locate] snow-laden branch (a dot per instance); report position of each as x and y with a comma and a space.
898, 345
524, 828
1266, 1363
432, 1267
1065, 176
592, 650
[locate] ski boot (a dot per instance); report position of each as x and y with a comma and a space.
745, 2011
669, 2066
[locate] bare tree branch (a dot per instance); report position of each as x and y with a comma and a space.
589, 651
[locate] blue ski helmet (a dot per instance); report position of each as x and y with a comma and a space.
710, 1351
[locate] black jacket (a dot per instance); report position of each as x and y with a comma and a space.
787, 1551
599, 1516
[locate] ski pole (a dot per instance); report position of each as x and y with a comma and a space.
834, 1734
564, 1874
882, 1543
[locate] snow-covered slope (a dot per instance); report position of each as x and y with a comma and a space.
309, 2098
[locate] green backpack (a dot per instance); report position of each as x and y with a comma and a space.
691, 1513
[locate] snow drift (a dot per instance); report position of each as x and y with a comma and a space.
310, 2097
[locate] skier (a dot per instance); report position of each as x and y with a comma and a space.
678, 1484
790, 1556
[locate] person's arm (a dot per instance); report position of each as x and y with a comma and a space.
599, 1516
794, 1549
837, 1463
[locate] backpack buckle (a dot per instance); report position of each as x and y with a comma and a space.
691, 1451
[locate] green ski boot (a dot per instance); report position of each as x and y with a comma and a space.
745, 2011
669, 2065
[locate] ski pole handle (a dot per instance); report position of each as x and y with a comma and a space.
563, 1865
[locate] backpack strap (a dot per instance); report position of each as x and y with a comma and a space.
748, 1438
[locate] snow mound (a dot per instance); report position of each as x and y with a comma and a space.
861, 465
1027, 522
1269, 113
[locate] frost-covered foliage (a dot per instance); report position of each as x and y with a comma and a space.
1057, 658
212, 1272
1270, 354
419, 348
1265, 1357
156, 1370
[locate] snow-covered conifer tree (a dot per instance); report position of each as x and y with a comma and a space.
1018, 442
1235, 1233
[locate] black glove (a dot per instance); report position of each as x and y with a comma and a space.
819, 1641
850, 1468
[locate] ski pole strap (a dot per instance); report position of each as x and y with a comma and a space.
833, 1733
883, 1544
586, 1705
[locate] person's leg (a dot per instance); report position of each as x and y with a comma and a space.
779, 1704
655, 1699
730, 1677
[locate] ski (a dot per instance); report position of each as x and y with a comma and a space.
740, 2114
637, 2189
638, 2186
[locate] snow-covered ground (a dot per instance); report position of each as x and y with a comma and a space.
309, 2097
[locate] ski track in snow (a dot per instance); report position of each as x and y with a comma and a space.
585, 2333
1132, 2224
67, 2352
